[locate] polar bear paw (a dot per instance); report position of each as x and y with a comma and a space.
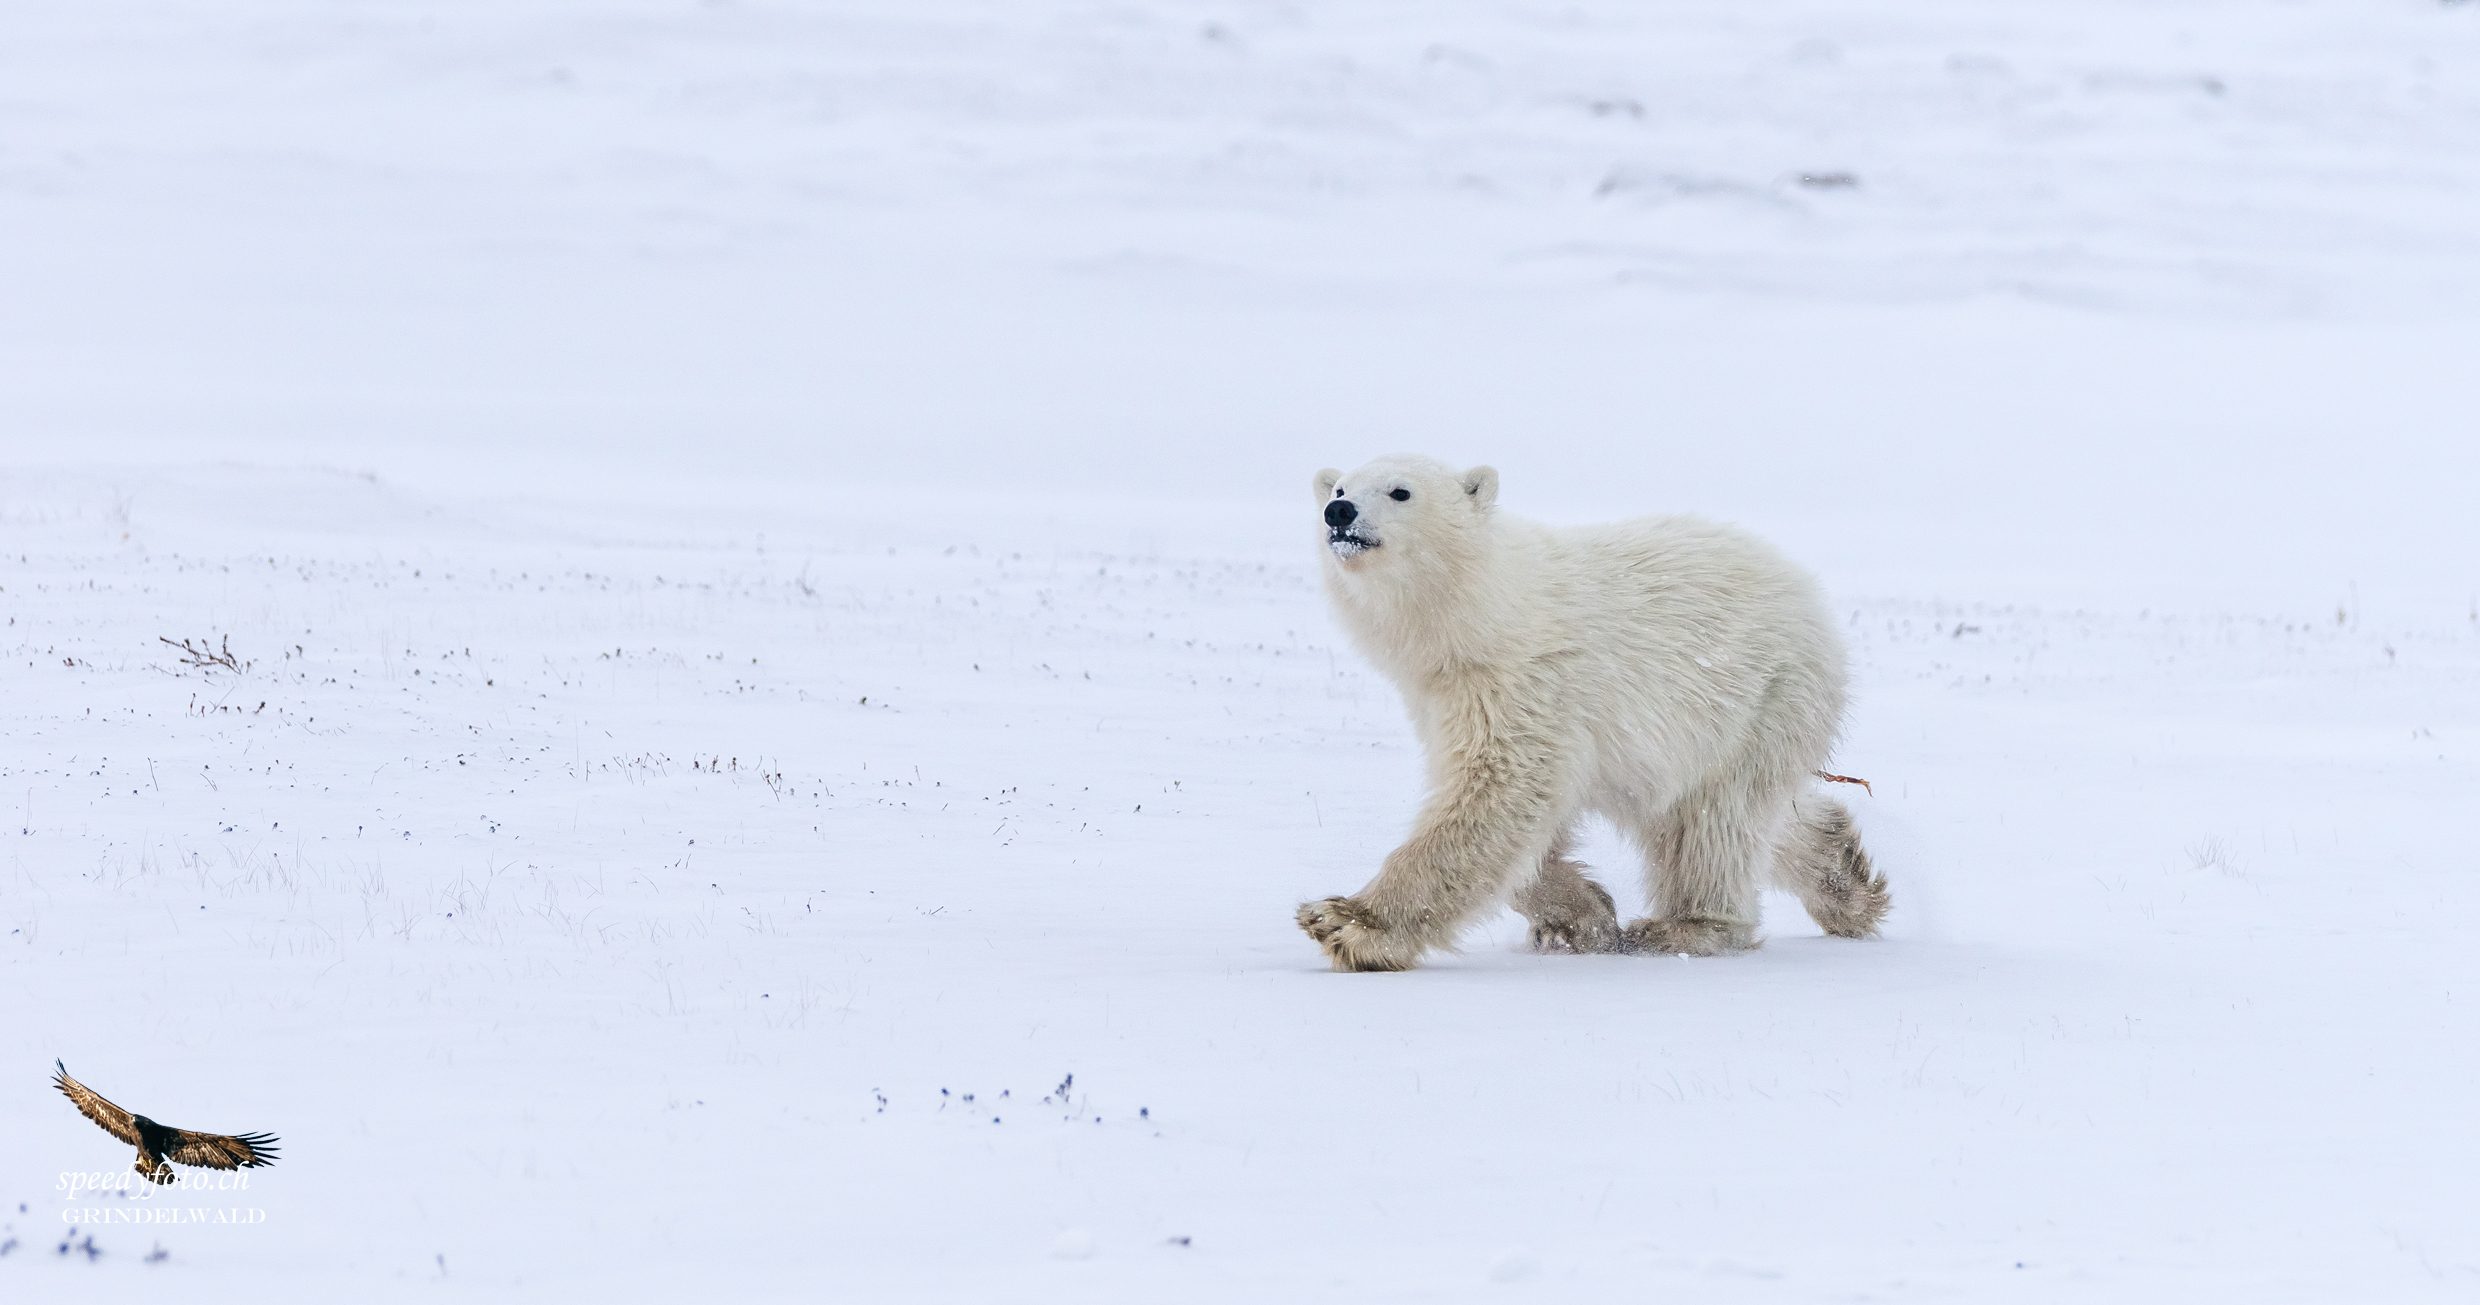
1690, 935
1351, 936
1581, 920
1576, 937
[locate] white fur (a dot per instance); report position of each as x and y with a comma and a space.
1678, 677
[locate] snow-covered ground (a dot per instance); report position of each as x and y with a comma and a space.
767, 560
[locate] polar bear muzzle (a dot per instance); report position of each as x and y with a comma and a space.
1344, 532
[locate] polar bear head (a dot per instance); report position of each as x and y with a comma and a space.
1403, 511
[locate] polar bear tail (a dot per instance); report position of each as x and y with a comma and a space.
1820, 861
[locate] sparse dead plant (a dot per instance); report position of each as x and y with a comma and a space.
2211, 854
205, 656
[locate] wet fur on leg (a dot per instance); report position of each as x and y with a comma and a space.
1568, 912
1820, 861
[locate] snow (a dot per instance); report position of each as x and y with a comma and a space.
771, 548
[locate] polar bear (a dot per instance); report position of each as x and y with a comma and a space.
1680, 678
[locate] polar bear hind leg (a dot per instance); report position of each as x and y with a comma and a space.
1567, 911
1701, 863
1819, 860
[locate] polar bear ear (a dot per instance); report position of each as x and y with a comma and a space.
1325, 481
1481, 486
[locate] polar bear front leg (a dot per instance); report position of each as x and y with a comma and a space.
1490, 815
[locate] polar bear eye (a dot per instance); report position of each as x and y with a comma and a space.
1399, 495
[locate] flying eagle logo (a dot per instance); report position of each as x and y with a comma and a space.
161, 1147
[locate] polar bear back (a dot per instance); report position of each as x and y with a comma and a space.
1687, 647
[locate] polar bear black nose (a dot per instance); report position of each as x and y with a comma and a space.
1341, 513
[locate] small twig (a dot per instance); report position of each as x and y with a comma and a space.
1844, 779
